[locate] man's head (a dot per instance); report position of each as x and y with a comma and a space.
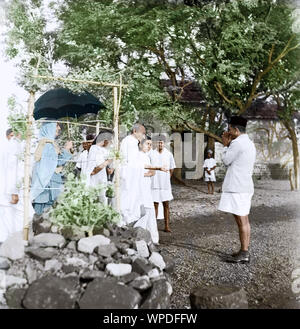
138, 131
104, 138
146, 144
88, 142
9, 134
237, 126
160, 141
209, 154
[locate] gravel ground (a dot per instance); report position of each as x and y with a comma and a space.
201, 237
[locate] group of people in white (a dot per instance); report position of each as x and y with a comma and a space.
145, 175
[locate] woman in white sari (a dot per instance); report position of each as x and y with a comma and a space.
148, 220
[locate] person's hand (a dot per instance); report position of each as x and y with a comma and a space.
208, 171
110, 171
109, 161
164, 169
69, 145
14, 199
226, 138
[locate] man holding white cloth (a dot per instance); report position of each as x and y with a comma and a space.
237, 190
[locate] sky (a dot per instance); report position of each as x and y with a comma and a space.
8, 83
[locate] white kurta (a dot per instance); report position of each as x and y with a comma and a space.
148, 221
131, 180
11, 182
161, 181
97, 155
82, 162
209, 163
238, 189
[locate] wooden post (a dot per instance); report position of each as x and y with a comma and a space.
27, 164
116, 147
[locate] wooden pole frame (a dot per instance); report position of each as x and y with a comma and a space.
117, 93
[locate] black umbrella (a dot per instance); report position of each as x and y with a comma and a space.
61, 103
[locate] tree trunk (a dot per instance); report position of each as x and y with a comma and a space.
211, 145
296, 158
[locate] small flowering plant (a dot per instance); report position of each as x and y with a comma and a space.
79, 207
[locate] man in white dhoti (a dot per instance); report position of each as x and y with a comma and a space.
11, 188
82, 162
237, 190
98, 160
148, 221
161, 182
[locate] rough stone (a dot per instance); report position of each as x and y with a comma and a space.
91, 275
48, 240
122, 247
141, 283
11, 280
4, 264
140, 266
52, 265
130, 252
31, 273
157, 260
125, 260
129, 277
141, 234
72, 245
88, 245
118, 269
142, 248
14, 297
107, 250
50, 292
69, 269
218, 297
41, 227
158, 297
154, 273
170, 264
75, 261
106, 294
13, 247
40, 254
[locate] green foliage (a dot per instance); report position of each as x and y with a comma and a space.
79, 207
16, 117
207, 41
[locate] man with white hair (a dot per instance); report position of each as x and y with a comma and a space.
131, 175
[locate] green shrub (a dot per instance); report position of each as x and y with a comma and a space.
80, 208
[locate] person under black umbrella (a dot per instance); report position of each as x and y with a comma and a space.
49, 161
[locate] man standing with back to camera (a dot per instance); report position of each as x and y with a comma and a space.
237, 190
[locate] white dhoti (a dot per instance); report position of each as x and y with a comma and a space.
160, 195
148, 222
236, 203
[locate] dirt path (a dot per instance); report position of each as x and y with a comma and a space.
201, 237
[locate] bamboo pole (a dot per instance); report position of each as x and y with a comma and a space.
77, 81
116, 146
27, 166
97, 128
